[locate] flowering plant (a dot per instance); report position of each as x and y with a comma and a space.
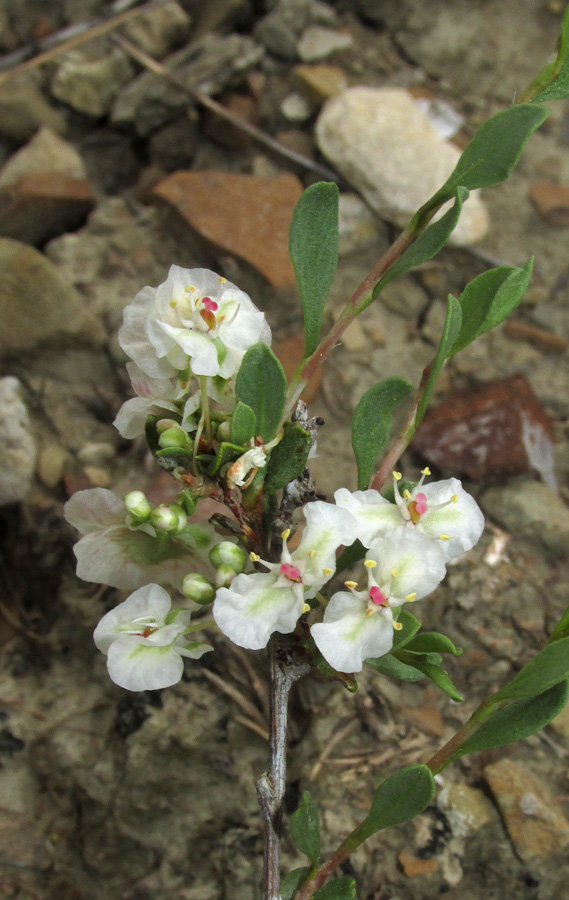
218, 414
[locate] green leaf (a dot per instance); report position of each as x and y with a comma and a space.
450, 333
561, 630
226, 452
261, 384
288, 459
305, 828
554, 79
494, 151
410, 627
313, 247
433, 642
172, 458
349, 556
488, 299
372, 423
428, 244
549, 667
392, 667
342, 888
438, 676
291, 882
517, 720
243, 422
401, 797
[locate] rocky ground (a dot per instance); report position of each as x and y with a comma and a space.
111, 173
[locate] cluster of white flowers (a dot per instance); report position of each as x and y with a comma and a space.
409, 543
186, 340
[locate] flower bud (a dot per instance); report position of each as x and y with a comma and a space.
173, 437
169, 519
165, 424
197, 588
224, 575
227, 553
138, 506
223, 431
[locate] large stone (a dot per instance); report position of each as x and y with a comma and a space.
210, 65
386, 147
318, 43
91, 85
242, 214
157, 31
17, 442
530, 510
36, 305
24, 108
43, 190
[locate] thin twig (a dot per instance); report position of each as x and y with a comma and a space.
86, 33
333, 742
204, 100
252, 726
248, 708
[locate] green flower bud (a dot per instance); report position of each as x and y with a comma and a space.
165, 424
173, 437
138, 506
227, 553
223, 431
170, 519
224, 575
197, 588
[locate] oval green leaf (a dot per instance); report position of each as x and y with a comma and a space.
342, 888
401, 797
371, 424
261, 385
242, 426
549, 667
305, 828
288, 459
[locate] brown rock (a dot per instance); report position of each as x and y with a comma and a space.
426, 719
320, 82
413, 867
39, 207
494, 430
534, 819
225, 132
241, 214
551, 202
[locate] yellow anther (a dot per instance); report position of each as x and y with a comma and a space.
397, 626
305, 608
222, 280
444, 537
189, 288
454, 498
327, 571
351, 584
254, 557
407, 494
410, 597
173, 303
396, 476
285, 534
426, 471
370, 564
371, 611
311, 554
395, 573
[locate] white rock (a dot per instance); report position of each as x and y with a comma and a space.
385, 146
91, 85
358, 225
296, 107
17, 442
318, 43
46, 152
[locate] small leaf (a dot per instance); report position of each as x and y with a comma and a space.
410, 627
450, 333
243, 422
561, 630
488, 299
401, 797
555, 77
438, 676
291, 882
172, 458
517, 720
349, 556
313, 247
494, 151
549, 667
433, 642
342, 888
226, 452
371, 424
392, 667
288, 459
428, 244
261, 384
305, 828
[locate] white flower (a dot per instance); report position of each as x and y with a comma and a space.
113, 551
358, 625
155, 397
442, 510
143, 640
256, 605
196, 319
256, 458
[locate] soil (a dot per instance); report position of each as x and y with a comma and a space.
106, 794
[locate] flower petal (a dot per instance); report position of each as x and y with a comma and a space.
96, 508
374, 515
251, 609
462, 522
417, 560
347, 635
148, 602
138, 665
327, 528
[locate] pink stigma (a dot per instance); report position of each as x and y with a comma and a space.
377, 597
209, 304
420, 504
290, 572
